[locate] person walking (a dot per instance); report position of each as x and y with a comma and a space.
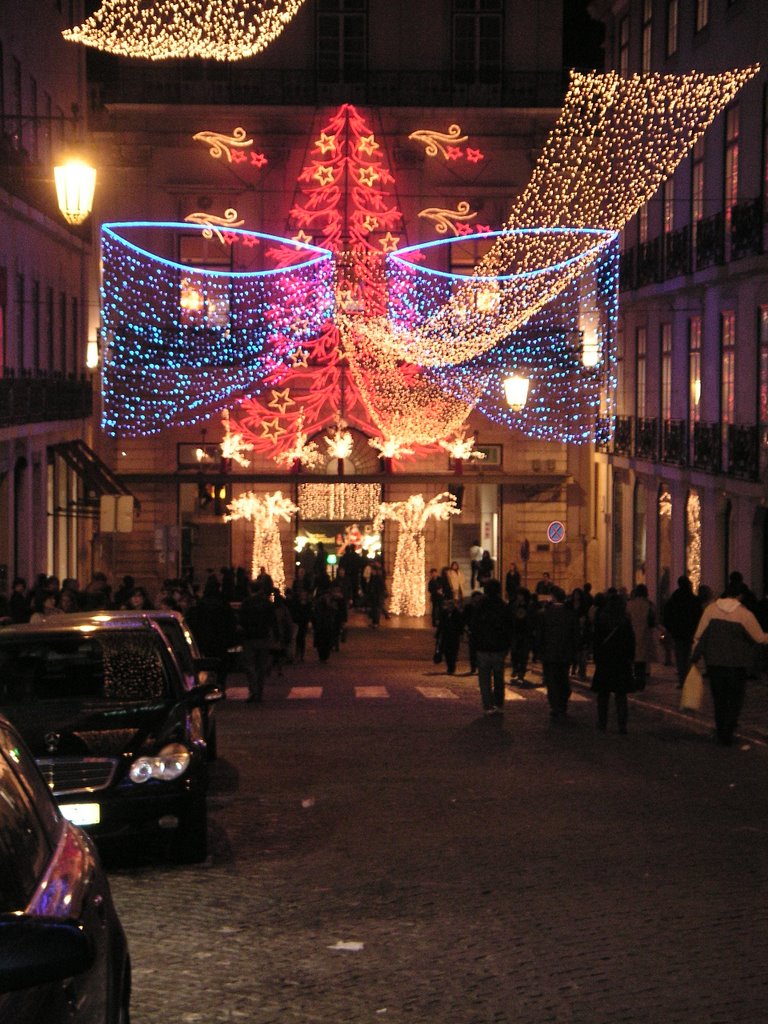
259, 625
725, 638
680, 618
449, 633
475, 554
614, 654
521, 635
558, 643
642, 615
436, 590
491, 636
457, 583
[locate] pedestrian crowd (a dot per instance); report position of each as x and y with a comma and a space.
243, 622
620, 633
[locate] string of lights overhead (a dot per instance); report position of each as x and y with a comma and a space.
224, 30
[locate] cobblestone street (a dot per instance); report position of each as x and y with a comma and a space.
386, 853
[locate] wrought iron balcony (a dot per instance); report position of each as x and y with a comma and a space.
627, 266
743, 459
603, 433
43, 398
647, 438
212, 83
649, 262
673, 442
707, 446
677, 253
710, 241
622, 436
747, 229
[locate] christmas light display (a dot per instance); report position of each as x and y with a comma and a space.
265, 512
227, 30
234, 447
179, 341
213, 225
334, 502
462, 448
409, 577
445, 220
565, 398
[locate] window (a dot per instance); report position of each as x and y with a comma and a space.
16, 106
727, 375
697, 187
50, 326
20, 323
3, 303
71, 359
647, 36
762, 379
341, 40
2, 90
694, 369
477, 41
702, 14
639, 532
624, 47
34, 149
673, 15
59, 358
668, 205
666, 371
641, 356
731, 173
642, 224
34, 302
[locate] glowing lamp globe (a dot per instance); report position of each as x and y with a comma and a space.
516, 391
75, 184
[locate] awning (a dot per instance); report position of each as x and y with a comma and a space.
97, 477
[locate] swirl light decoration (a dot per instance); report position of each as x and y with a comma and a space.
409, 577
265, 512
179, 341
224, 30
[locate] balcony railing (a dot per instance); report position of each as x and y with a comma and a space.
707, 446
710, 241
649, 263
622, 436
673, 442
43, 398
647, 438
743, 458
211, 83
747, 229
677, 253
627, 268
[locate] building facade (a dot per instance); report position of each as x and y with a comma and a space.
683, 481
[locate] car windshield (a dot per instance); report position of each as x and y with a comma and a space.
119, 667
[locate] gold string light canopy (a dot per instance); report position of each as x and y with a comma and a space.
616, 141
224, 30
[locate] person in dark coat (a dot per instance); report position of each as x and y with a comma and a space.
449, 632
681, 617
436, 591
614, 654
324, 623
521, 634
260, 635
214, 627
558, 643
491, 636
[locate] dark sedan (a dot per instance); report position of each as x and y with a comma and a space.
115, 729
63, 954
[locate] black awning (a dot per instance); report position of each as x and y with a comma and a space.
95, 474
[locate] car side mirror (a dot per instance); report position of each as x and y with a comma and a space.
37, 951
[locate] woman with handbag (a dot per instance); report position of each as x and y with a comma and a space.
614, 653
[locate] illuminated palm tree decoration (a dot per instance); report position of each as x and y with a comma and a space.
409, 578
265, 512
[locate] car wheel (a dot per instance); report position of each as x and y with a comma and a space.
190, 844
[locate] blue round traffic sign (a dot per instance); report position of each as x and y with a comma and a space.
556, 532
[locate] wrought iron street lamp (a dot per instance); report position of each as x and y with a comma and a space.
516, 390
75, 186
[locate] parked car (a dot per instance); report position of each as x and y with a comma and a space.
63, 953
197, 669
114, 726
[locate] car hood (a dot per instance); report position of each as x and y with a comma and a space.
97, 730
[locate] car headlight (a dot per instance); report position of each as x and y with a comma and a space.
170, 763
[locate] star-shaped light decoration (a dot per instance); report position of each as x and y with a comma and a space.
326, 143
299, 358
272, 429
367, 176
323, 174
367, 145
370, 223
280, 400
389, 242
